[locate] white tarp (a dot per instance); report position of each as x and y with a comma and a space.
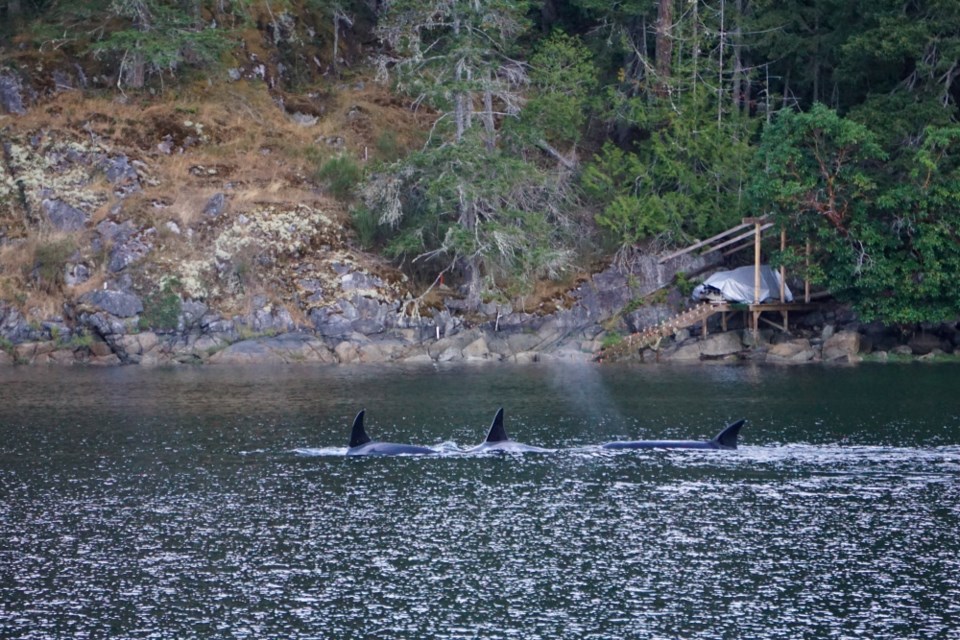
737, 285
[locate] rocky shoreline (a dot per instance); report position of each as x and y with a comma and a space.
105, 327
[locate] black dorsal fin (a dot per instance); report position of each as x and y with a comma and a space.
497, 432
358, 435
727, 438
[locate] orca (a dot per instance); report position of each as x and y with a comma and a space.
498, 440
726, 439
362, 445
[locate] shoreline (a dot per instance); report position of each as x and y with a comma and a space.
471, 346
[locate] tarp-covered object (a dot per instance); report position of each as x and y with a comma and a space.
737, 286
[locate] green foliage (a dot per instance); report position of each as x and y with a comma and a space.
161, 308
685, 181
610, 340
501, 216
367, 225
388, 148
159, 37
814, 167
342, 175
884, 240
50, 262
684, 284
564, 80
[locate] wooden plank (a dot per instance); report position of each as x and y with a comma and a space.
703, 243
742, 236
738, 249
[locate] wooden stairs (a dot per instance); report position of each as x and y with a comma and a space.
651, 336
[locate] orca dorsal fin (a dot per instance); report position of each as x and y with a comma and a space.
727, 439
358, 434
497, 432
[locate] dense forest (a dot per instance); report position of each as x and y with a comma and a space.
562, 131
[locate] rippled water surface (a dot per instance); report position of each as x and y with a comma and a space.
218, 503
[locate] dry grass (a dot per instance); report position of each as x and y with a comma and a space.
245, 147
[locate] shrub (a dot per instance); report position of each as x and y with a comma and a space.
50, 263
161, 309
341, 175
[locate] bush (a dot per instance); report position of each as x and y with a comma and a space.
367, 225
50, 263
341, 175
161, 310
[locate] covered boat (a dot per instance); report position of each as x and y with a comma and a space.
737, 285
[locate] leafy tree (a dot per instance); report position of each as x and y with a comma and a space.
889, 244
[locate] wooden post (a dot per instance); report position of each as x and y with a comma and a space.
806, 277
756, 283
703, 328
783, 275
756, 264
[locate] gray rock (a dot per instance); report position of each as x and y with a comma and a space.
76, 274
520, 342
215, 206
347, 352
62, 216
721, 344
127, 253
477, 350
923, 343
686, 352
841, 346
283, 349
382, 351
418, 358
12, 94
103, 324
191, 315
110, 230
329, 324
120, 172
117, 303
450, 354
794, 351
13, 326
360, 281
527, 357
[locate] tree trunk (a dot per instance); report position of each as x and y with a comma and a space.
664, 51
472, 263
133, 70
739, 100
488, 123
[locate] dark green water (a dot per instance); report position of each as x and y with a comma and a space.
217, 503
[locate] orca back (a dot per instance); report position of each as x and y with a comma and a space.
497, 433
358, 435
727, 439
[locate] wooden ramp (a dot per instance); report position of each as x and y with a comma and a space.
653, 335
